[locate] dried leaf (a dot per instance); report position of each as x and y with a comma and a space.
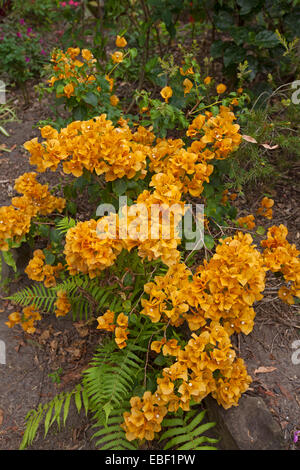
264, 370
54, 344
1, 416
248, 138
285, 392
45, 335
82, 330
270, 147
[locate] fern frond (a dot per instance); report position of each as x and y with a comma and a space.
186, 433
65, 224
112, 436
51, 413
112, 376
43, 298
87, 295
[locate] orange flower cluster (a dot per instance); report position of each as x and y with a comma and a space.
144, 418
265, 208
68, 67
106, 321
121, 331
222, 290
169, 296
247, 221
91, 247
230, 283
94, 145
15, 219
207, 364
37, 270
14, 224
280, 256
219, 133
37, 198
153, 220
62, 304
27, 319
188, 167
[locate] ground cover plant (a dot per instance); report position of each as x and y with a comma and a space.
164, 261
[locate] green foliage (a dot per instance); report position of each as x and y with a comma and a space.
251, 30
21, 53
86, 296
36, 294
65, 224
106, 387
87, 91
9, 259
185, 432
55, 376
55, 411
112, 377
275, 125
39, 11
111, 436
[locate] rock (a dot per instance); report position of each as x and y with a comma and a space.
249, 426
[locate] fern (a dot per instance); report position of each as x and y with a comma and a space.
85, 295
111, 379
37, 294
65, 224
53, 412
112, 436
185, 433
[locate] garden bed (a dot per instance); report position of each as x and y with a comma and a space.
77, 372
59, 344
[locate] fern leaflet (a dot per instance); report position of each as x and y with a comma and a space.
186, 433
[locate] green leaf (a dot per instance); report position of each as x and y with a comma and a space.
209, 242
9, 259
217, 48
119, 187
91, 98
49, 257
55, 235
48, 418
266, 39
72, 207
66, 408
160, 360
78, 399
233, 55
260, 230
247, 5
107, 409
59, 89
